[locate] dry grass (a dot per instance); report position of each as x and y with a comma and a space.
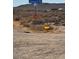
17, 25
37, 28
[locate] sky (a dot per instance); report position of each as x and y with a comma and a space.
21, 2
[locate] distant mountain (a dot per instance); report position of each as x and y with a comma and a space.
43, 6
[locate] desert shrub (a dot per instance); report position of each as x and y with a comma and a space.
26, 25
37, 22
16, 19
36, 27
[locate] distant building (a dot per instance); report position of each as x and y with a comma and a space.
48, 10
60, 8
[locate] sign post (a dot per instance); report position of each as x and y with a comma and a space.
35, 6
35, 2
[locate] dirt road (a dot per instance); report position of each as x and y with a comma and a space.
39, 45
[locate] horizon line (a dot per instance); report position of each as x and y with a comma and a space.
42, 3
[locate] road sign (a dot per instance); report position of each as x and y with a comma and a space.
35, 1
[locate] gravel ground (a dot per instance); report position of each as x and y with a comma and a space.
38, 45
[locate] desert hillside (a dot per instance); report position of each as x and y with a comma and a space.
53, 14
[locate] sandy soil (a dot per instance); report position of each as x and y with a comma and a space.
39, 45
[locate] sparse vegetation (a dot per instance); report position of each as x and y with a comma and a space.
24, 14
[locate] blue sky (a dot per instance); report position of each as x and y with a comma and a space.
21, 2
